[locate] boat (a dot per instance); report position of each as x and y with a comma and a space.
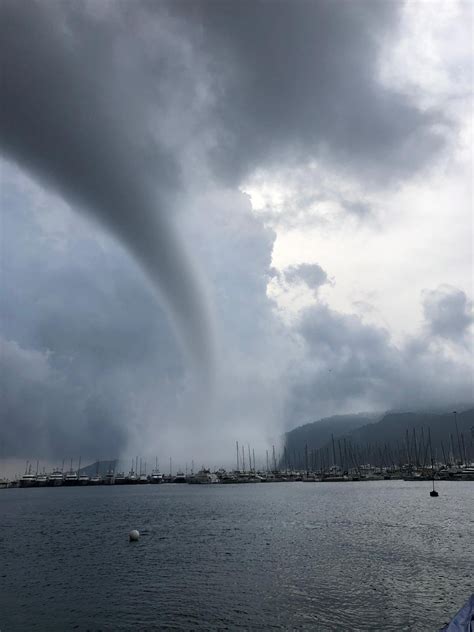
56, 478
179, 478
130, 479
28, 480
41, 480
71, 478
109, 478
203, 477
433, 492
463, 620
156, 476
120, 479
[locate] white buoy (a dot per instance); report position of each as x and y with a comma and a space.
133, 535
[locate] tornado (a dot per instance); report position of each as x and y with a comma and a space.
76, 114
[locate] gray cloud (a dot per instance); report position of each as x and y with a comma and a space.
113, 381
47, 416
75, 110
295, 80
309, 273
85, 347
448, 313
349, 365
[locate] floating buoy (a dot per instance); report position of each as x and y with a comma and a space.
133, 535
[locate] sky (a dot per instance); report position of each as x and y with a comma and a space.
222, 220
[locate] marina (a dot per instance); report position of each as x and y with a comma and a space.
74, 478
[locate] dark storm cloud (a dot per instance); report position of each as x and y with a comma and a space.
75, 111
84, 87
298, 80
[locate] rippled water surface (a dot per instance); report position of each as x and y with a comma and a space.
332, 556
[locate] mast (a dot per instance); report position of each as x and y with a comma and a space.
237, 450
452, 447
417, 460
463, 450
444, 455
340, 455
431, 451
457, 434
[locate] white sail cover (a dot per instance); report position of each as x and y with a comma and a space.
464, 619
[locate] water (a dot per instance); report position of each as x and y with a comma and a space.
332, 556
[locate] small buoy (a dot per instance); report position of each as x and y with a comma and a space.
133, 535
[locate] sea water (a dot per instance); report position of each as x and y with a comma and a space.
316, 556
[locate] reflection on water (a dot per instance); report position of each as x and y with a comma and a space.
354, 556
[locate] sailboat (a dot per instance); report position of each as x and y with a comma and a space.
433, 492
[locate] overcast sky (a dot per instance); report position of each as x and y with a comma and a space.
222, 220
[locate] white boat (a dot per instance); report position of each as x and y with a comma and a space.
156, 476
28, 480
56, 478
179, 478
204, 477
71, 478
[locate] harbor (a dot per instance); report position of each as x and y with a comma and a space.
415, 457
221, 476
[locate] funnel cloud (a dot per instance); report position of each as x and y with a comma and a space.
67, 118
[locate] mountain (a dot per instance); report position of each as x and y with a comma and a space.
410, 432
390, 438
316, 434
